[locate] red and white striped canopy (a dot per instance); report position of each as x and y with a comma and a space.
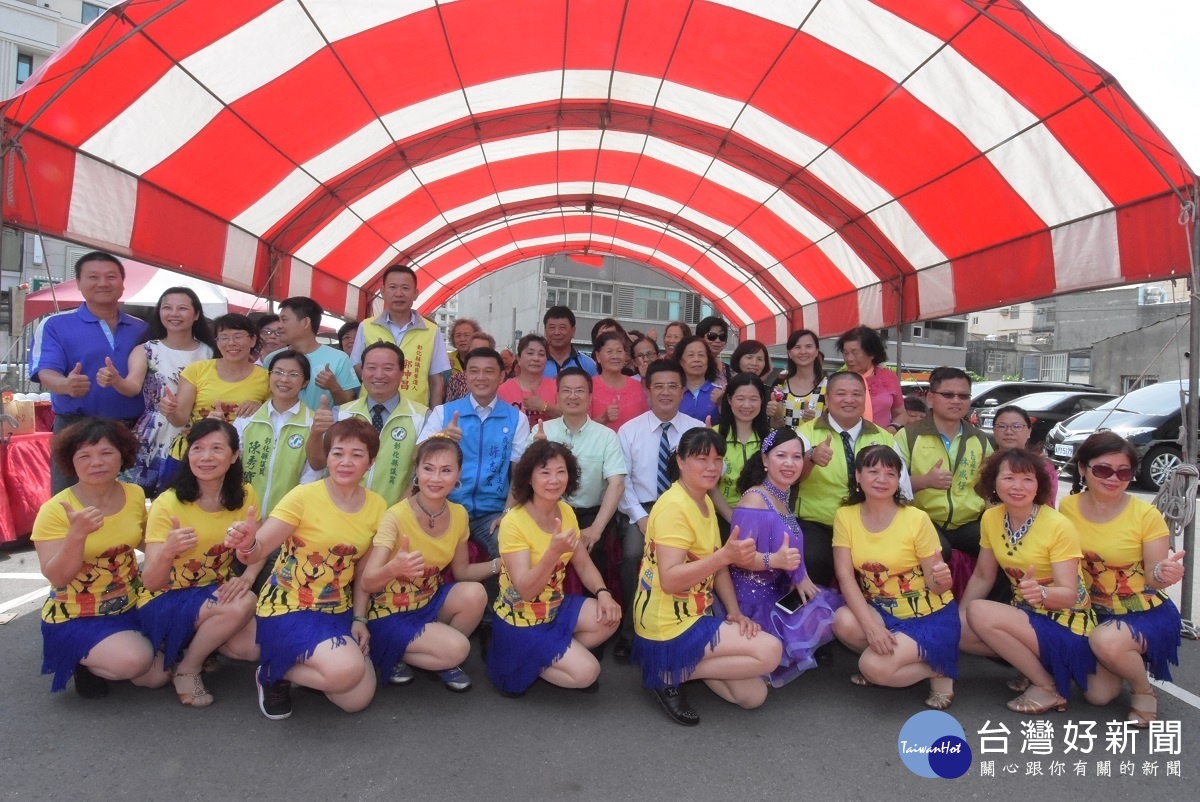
817, 163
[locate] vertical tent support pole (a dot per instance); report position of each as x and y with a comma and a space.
1192, 433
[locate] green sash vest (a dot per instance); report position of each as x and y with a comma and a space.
273, 468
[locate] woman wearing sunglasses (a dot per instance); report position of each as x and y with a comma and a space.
716, 336
863, 350
1125, 545
1043, 632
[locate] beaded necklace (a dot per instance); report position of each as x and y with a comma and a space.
1014, 538
789, 518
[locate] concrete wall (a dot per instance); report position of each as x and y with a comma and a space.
1081, 319
1131, 353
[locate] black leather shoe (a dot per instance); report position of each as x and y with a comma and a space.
88, 685
675, 703
622, 650
485, 640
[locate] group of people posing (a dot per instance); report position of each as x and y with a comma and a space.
343, 515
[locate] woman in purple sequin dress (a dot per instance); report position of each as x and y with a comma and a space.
764, 514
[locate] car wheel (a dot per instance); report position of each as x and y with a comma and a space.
1158, 465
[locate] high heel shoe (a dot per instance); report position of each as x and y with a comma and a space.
1138, 712
939, 700
193, 693
1024, 704
1019, 683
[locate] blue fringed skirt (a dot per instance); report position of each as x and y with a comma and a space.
520, 654
392, 634
671, 662
1160, 629
65, 645
1064, 654
169, 620
293, 637
937, 636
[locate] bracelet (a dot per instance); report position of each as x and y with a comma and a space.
1043, 589
766, 561
249, 550
600, 590
360, 619
495, 566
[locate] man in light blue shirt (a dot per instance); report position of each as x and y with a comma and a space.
333, 375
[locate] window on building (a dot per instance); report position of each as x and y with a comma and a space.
1014, 312
1053, 368
1130, 383
580, 296
90, 12
997, 362
24, 67
918, 332
975, 320
657, 304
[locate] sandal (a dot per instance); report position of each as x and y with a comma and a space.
939, 700
1028, 706
1019, 683
211, 664
860, 680
195, 696
1139, 713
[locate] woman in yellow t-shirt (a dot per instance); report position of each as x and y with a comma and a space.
539, 631
1125, 545
1043, 632
306, 627
231, 383
415, 617
904, 623
191, 604
85, 539
678, 634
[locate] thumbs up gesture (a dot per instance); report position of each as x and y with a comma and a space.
787, 558
78, 384
563, 542
406, 564
1031, 589
708, 421
1170, 570
83, 522
168, 404
540, 434
739, 552
823, 453
938, 477
452, 430
327, 381
107, 376
940, 580
181, 539
322, 417
240, 535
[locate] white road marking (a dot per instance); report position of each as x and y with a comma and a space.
1179, 693
28, 597
21, 576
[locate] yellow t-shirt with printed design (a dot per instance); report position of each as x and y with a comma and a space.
107, 582
209, 562
677, 522
888, 563
211, 390
438, 552
1051, 539
1112, 555
316, 566
519, 532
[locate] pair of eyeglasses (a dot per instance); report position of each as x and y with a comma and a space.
952, 396
1102, 471
644, 357
713, 337
572, 391
1009, 427
286, 374
272, 332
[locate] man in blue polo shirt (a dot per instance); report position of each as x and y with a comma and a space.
561, 354
70, 347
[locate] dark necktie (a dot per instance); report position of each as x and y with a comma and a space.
664, 459
377, 417
848, 448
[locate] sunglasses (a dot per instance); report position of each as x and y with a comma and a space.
713, 337
1102, 471
952, 396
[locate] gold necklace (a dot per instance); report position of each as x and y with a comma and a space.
433, 516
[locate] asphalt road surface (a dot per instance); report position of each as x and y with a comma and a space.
818, 738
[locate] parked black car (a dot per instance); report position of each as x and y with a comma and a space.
1047, 409
999, 393
1150, 418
